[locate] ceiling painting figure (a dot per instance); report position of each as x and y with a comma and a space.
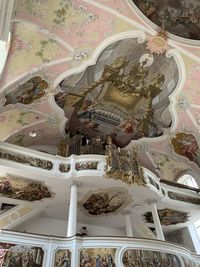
105, 202
186, 145
124, 95
23, 189
168, 217
28, 92
179, 17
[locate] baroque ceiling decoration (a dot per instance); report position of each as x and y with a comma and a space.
168, 217
27, 93
179, 17
105, 201
110, 74
158, 44
186, 145
124, 95
23, 189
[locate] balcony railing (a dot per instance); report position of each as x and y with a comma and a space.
13, 156
76, 251
84, 165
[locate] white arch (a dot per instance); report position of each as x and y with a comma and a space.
141, 36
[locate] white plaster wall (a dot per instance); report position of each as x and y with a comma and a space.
187, 239
181, 237
45, 226
94, 230
48, 226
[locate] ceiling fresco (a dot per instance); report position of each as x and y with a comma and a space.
105, 201
124, 95
23, 189
15, 119
47, 133
30, 48
87, 56
168, 166
27, 93
168, 217
179, 17
186, 145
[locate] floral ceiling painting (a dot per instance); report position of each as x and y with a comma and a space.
23, 189
180, 17
105, 201
30, 48
123, 95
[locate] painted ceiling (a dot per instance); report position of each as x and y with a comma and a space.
125, 94
179, 17
83, 66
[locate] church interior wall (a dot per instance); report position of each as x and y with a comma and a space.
48, 226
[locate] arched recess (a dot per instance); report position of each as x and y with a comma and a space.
189, 180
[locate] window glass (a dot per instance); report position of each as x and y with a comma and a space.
188, 180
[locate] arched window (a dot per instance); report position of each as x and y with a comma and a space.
188, 180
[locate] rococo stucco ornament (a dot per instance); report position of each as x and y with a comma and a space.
168, 217
123, 165
105, 201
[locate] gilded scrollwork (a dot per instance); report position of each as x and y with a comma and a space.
122, 99
94, 146
123, 165
63, 146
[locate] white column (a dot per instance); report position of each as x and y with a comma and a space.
72, 217
194, 236
157, 224
129, 230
